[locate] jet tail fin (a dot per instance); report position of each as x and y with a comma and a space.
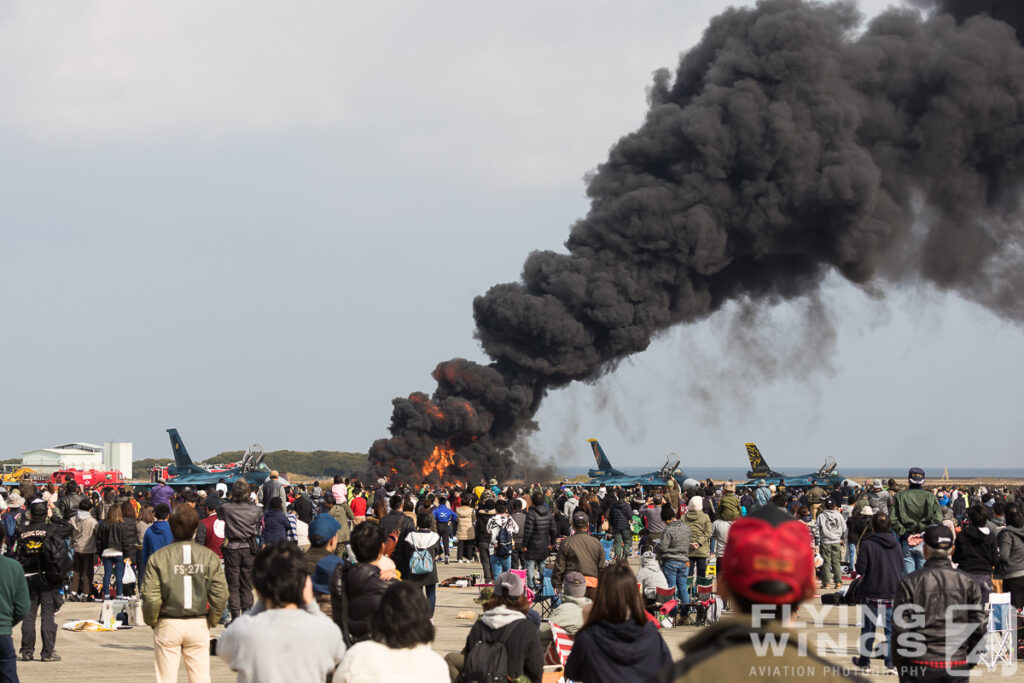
599, 457
757, 462
182, 461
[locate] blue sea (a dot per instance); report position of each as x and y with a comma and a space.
898, 473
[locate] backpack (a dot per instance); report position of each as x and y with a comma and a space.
421, 562
850, 597
487, 661
56, 555
505, 544
8, 525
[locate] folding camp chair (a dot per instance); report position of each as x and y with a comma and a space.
1001, 637
561, 646
547, 600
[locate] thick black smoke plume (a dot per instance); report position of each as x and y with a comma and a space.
784, 147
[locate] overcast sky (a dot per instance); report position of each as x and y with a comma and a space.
262, 221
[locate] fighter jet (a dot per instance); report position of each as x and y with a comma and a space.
184, 472
606, 475
759, 469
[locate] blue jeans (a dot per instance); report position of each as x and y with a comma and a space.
913, 557
431, 590
500, 564
675, 574
871, 613
8, 660
113, 566
851, 555
534, 574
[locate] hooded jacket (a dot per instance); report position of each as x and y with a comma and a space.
520, 636
831, 526
539, 534
361, 586
611, 653
619, 515
976, 551
880, 562
649, 575
157, 536
700, 527
83, 540
1011, 552
421, 539
465, 531
569, 613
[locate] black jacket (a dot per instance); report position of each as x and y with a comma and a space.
539, 533
303, 507
932, 589
483, 536
361, 586
121, 536
611, 653
522, 643
563, 526
1011, 552
67, 506
976, 552
880, 562
396, 519
619, 516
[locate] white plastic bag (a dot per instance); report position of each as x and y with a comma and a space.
129, 574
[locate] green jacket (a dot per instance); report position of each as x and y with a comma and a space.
913, 510
343, 513
700, 532
729, 507
13, 594
184, 580
725, 651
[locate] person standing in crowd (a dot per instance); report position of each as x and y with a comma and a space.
303, 506
977, 551
275, 524
465, 534
415, 555
157, 535
183, 596
341, 511
44, 598
241, 528
501, 529
272, 488
358, 504
67, 505
539, 537
619, 517
503, 626
729, 508
483, 537
356, 590
518, 513
720, 532
14, 606
581, 553
762, 494
878, 498
768, 564
700, 536
210, 532
115, 542
617, 641
880, 563
285, 636
831, 531
395, 519
399, 651
938, 609
914, 510
1011, 555
815, 497
444, 516
654, 525
675, 553
83, 544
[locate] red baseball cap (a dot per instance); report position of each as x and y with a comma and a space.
768, 559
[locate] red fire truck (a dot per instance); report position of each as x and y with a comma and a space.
88, 479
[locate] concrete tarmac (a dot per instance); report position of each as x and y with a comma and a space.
127, 655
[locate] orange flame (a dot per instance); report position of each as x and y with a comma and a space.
440, 460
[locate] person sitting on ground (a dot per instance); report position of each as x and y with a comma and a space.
769, 566
617, 641
356, 591
581, 553
402, 632
650, 575
184, 593
284, 636
502, 630
569, 613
